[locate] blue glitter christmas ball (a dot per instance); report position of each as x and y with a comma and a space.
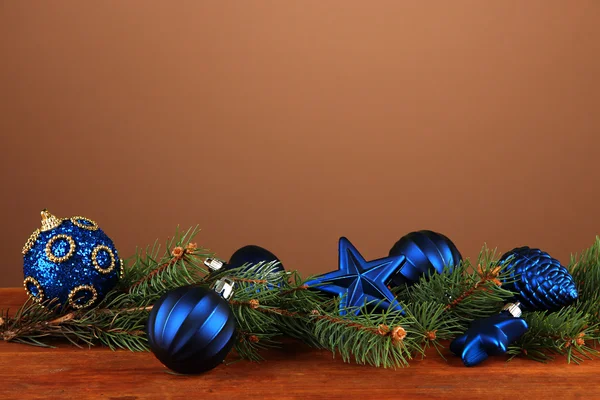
69, 261
540, 281
426, 252
191, 329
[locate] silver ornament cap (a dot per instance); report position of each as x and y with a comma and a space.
214, 264
514, 309
224, 287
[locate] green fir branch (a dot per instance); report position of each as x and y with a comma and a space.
381, 339
433, 324
153, 272
565, 332
467, 292
573, 331
585, 269
269, 304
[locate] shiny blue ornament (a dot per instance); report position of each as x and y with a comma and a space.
69, 262
426, 252
191, 329
487, 337
540, 281
358, 281
252, 255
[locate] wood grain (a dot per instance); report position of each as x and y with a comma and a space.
294, 371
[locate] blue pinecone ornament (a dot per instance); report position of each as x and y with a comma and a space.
541, 283
69, 262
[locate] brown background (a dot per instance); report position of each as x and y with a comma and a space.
290, 123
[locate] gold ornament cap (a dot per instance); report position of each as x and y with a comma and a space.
49, 221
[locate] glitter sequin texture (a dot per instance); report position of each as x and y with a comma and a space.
58, 279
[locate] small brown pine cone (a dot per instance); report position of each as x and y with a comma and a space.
191, 247
431, 335
383, 329
178, 252
398, 334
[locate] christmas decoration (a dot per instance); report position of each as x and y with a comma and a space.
191, 329
69, 261
489, 336
540, 281
252, 255
358, 282
426, 252
269, 304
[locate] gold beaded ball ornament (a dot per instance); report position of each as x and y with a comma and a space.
70, 261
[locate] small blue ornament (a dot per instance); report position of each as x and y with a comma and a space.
252, 255
426, 252
69, 261
358, 281
540, 281
489, 336
191, 329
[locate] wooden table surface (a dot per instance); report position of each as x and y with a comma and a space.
295, 371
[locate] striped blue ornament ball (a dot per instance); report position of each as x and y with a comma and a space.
191, 329
69, 262
426, 252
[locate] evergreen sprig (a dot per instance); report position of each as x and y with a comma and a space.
573, 331
565, 332
155, 270
465, 292
382, 339
585, 269
269, 303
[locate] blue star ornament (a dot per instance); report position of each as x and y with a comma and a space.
358, 281
488, 336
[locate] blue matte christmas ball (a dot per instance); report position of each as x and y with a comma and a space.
252, 255
540, 281
426, 252
69, 261
191, 329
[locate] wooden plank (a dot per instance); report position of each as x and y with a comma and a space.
294, 371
